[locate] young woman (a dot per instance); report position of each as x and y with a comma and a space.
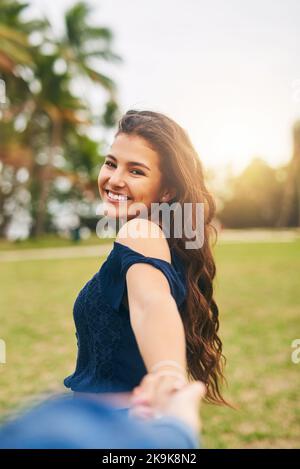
148, 316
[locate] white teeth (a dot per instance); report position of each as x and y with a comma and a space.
117, 197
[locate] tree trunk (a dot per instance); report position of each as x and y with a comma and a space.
46, 179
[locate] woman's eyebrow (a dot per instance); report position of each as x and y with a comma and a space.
132, 163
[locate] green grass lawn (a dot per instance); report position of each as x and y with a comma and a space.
50, 241
258, 292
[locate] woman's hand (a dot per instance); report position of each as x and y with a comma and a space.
185, 404
154, 391
159, 396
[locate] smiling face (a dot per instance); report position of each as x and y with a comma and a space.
130, 169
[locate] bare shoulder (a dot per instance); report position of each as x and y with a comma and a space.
145, 237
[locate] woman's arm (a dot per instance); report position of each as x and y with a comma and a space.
154, 316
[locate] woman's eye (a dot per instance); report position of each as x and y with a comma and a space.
112, 165
138, 172
108, 163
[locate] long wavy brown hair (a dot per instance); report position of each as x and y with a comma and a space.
181, 168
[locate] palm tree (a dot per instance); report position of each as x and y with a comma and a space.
54, 106
83, 47
14, 45
16, 53
79, 47
51, 110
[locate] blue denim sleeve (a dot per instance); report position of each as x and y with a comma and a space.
174, 433
67, 423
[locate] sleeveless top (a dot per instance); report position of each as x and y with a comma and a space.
108, 358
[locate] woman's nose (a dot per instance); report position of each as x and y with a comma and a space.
117, 179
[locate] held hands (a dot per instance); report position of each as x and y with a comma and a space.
163, 379
166, 391
151, 396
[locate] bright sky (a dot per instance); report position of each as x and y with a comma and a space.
228, 71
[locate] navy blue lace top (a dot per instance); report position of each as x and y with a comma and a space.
108, 356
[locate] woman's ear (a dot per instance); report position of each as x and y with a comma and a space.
169, 195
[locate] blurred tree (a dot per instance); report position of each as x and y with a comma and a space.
289, 213
16, 65
14, 46
255, 197
74, 58
53, 109
43, 114
16, 58
83, 48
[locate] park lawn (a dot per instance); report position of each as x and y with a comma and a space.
257, 289
50, 241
